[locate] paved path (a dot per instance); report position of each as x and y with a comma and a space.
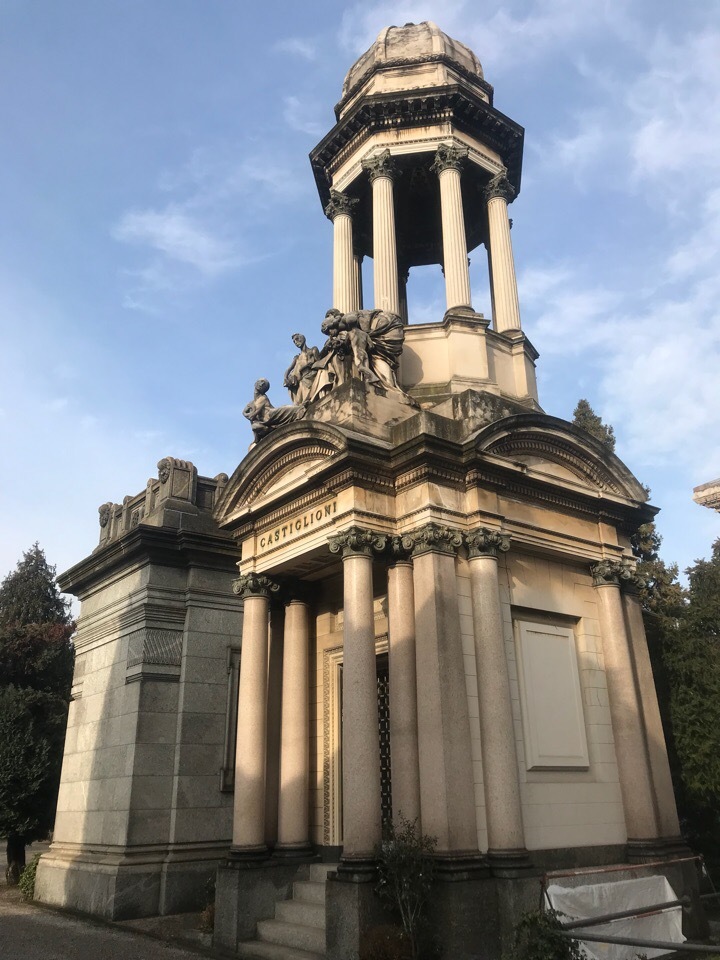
30, 932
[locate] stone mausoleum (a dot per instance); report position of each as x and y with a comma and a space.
414, 596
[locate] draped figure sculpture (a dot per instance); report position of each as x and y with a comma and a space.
263, 416
300, 375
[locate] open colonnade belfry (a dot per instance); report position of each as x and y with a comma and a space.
435, 613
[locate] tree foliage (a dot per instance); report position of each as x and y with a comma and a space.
36, 668
30, 595
585, 417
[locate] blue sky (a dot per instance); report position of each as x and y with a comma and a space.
161, 236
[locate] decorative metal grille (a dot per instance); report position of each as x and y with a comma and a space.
383, 691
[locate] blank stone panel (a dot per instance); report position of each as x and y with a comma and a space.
551, 698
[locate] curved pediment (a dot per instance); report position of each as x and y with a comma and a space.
560, 450
277, 464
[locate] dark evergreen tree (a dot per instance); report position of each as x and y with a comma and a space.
36, 668
30, 595
585, 417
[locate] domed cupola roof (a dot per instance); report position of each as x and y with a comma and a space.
414, 52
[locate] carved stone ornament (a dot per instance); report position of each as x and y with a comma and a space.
401, 547
254, 584
340, 204
164, 467
613, 571
382, 165
500, 186
435, 537
486, 543
104, 514
356, 540
449, 157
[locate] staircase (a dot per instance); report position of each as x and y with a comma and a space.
298, 930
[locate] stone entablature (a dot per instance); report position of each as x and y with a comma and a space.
708, 494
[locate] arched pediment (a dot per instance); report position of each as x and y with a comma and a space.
560, 449
278, 463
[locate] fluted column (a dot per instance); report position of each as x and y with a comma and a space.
345, 287
627, 721
506, 308
382, 172
506, 836
660, 768
447, 794
448, 164
293, 827
405, 765
249, 801
361, 745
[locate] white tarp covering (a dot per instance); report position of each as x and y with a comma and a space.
597, 899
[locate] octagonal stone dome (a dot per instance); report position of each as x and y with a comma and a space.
413, 44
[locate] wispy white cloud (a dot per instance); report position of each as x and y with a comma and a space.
303, 47
299, 116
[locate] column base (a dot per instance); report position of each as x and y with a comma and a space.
457, 867
462, 310
657, 848
353, 910
246, 892
294, 851
510, 864
357, 870
249, 854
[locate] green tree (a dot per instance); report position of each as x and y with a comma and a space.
585, 417
691, 657
36, 667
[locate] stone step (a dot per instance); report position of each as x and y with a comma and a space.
257, 950
301, 911
319, 871
296, 935
312, 891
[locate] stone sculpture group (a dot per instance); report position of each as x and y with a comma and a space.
364, 344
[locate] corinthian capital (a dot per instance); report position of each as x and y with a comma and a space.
340, 204
357, 540
449, 157
500, 186
382, 165
486, 543
254, 585
614, 571
434, 537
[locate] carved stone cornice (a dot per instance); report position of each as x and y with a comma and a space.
449, 157
381, 165
500, 186
340, 204
255, 585
617, 572
357, 541
436, 538
486, 543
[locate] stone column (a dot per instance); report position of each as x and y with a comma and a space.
248, 839
405, 764
382, 172
660, 768
345, 287
506, 836
274, 714
506, 308
361, 745
293, 827
447, 795
627, 721
448, 164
